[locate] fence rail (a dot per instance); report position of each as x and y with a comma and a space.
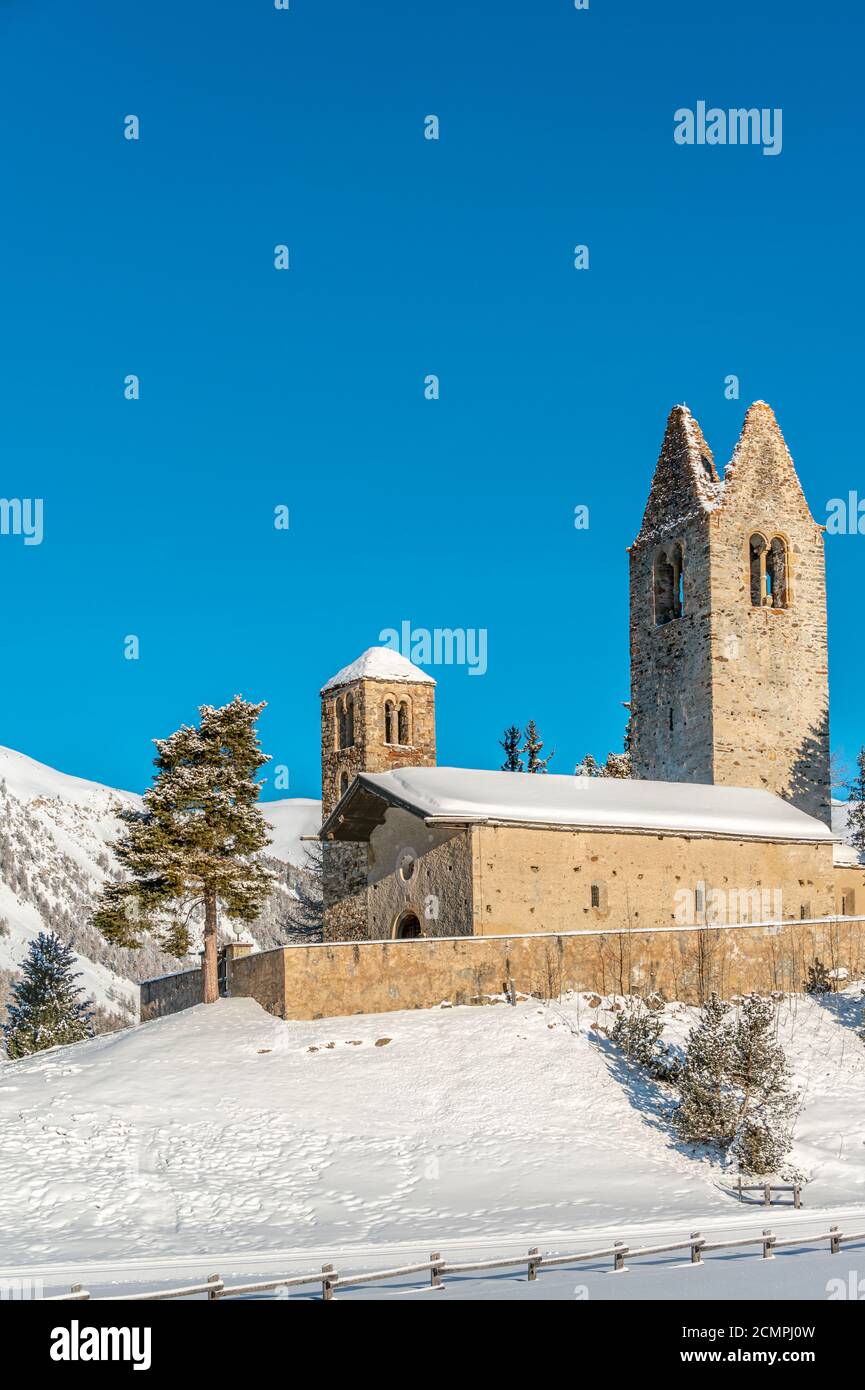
767, 1188
330, 1279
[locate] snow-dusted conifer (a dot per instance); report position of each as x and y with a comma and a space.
819, 980
707, 1110
192, 845
637, 1031
589, 767
532, 749
766, 1100
511, 747
47, 1008
856, 806
760, 1145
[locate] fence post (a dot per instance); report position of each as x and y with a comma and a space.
834, 1240
534, 1261
212, 1293
512, 993
797, 1196
327, 1282
767, 1195
435, 1274
696, 1248
619, 1256
76, 1288
768, 1243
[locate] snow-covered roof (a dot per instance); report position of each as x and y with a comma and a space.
464, 795
379, 664
845, 855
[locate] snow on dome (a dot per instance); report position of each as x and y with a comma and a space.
464, 795
378, 664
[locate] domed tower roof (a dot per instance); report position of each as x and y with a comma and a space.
379, 664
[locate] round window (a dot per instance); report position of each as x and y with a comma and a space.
406, 862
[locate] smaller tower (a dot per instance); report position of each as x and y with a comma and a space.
376, 714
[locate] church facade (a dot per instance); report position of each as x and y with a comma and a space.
714, 867
727, 818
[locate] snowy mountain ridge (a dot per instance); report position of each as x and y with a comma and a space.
55, 837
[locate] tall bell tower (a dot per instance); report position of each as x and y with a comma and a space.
729, 663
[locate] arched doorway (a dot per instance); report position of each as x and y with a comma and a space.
408, 927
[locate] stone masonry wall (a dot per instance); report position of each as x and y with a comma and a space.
671, 666
439, 890
345, 865
306, 982
731, 693
170, 994
770, 665
529, 879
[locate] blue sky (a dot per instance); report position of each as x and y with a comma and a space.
408, 257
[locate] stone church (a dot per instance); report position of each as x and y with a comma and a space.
727, 818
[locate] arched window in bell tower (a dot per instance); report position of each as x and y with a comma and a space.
757, 548
770, 580
669, 585
349, 721
776, 573
341, 726
389, 730
403, 724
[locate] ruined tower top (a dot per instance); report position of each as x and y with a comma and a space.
685, 481
729, 680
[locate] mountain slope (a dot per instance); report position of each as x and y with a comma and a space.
55, 836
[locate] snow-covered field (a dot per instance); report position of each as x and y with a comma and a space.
227, 1138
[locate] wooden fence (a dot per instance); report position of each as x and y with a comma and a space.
330, 1279
767, 1188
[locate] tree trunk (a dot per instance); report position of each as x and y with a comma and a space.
209, 972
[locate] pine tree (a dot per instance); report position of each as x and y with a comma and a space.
637, 1031
818, 981
190, 848
532, 749
511, 745
766, 1101
587, 768
760, 1144
856, 806
46, 1008
707, 1111
617, 765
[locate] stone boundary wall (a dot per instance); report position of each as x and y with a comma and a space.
687, 963
168, 994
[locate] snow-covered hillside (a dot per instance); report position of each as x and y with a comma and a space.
225, 1132
55, 832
